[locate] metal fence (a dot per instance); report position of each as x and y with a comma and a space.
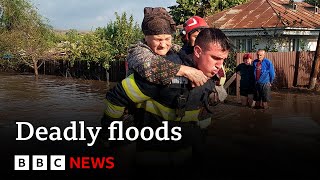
84, 69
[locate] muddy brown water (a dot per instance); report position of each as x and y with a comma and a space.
283, 141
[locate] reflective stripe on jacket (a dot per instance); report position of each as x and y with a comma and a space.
157, 102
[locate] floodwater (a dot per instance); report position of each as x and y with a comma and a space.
283, 141
50, 100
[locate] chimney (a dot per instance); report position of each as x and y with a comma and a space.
294, 6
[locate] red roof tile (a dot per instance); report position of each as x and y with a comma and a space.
267, 14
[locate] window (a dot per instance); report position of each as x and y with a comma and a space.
243, 45
294, 45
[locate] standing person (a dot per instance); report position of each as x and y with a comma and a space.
177, 104
247, 89
152, 57
264, 75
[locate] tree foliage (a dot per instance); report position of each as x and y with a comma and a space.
120, 34
86, 47
187, 8
105, 44
24, 34
26, 37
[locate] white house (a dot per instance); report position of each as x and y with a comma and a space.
274, 25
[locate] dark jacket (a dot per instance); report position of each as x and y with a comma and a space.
151, 104
247, 76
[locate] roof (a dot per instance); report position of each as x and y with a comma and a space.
266, 14
64, 31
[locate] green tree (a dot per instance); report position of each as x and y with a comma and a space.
187, 8
120, 33
86, 47
105, 44
71, 45
24, 33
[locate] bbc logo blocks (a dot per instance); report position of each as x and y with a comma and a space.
39, 162
57, 162
21, 162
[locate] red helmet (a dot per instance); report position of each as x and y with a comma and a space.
192, 24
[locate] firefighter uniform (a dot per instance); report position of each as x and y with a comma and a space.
179, 105
151, 104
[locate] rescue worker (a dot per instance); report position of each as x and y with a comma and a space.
189, 33
178, 104
153, 60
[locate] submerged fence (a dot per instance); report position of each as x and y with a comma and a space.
83, 69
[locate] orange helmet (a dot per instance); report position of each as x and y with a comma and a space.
192, 24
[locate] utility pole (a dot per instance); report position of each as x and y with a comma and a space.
315, 66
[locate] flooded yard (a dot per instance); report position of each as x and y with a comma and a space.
282, 142
242, 142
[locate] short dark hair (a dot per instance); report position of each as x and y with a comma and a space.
213, 35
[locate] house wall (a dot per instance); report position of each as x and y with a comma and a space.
312, 44
295, 44
280, 44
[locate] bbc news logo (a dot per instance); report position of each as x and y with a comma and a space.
58, 162
39, 162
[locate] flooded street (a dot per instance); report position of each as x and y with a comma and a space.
282, 142
50, 100
242, 142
